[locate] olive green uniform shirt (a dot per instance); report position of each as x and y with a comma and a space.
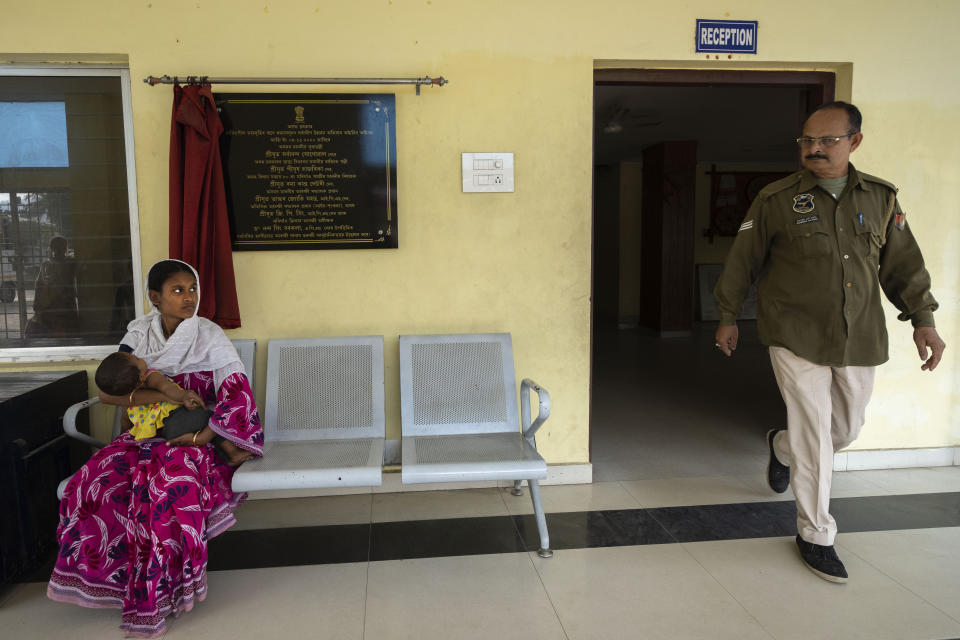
821, 263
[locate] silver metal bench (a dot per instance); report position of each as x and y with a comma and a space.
459, 415
324, 418
246, 349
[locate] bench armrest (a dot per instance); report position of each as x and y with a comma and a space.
543, 411
70, 423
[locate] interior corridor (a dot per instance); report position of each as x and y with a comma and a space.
678, 408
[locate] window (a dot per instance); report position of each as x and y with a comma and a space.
69, 254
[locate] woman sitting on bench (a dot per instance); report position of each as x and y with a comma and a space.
135, 520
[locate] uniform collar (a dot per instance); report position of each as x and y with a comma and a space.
809, 181
855, 179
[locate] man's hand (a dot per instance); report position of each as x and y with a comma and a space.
925, 337
726, 339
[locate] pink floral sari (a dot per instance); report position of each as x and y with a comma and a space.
135, 520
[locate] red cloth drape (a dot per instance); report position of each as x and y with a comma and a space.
199, 226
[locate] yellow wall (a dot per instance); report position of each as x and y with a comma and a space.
521, 77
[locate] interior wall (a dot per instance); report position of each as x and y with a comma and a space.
606, 244
521, 80
631, 208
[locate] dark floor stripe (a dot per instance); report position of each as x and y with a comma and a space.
450, 537
262, 548
594, 529
588, 529
728, 521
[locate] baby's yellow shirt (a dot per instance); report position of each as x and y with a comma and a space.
148, 418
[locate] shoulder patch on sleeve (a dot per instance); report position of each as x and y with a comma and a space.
900, 220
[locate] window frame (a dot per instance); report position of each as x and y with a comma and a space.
90, 352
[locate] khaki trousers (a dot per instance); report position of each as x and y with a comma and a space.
825, 410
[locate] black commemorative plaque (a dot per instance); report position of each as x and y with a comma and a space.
310, 171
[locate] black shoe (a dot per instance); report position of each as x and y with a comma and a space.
778, 475
822, 560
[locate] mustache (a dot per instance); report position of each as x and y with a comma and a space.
814, 156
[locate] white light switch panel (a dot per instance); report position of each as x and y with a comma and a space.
487, 172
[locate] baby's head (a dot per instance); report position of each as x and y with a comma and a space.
120, 374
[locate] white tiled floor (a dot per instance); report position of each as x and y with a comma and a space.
677, 408
903, 585
766, 577
481, 597
27, 613
573, 497
654, 591
324, 601
922, 480
422, 505
925, 561
304, 512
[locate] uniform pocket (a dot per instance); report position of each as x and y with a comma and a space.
869, 242
812, 244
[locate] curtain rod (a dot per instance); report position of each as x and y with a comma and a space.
427, 80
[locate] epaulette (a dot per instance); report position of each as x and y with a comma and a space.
876, 180
779, 185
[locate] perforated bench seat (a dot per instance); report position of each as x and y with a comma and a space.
458, 415
307, 465
323, 420
464, 458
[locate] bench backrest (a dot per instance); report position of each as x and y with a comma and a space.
324, 388
455, 384
247, 350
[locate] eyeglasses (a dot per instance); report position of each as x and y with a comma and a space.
826, 141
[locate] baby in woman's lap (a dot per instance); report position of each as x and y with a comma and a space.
180, 412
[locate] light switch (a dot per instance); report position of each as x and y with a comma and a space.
487, 172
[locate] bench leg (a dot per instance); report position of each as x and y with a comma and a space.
517, 491
544, 551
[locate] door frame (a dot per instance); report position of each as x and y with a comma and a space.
821, 83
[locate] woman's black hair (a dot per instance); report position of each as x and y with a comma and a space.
117, 375
161, 272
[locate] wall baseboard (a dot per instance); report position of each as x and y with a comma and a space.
895, 458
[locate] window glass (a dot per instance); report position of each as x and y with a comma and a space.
65, 251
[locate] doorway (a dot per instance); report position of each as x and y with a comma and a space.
678, 156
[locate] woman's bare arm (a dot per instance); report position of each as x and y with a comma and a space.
141, 396
159, 382
172, 391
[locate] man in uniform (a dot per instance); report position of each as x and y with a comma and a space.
822, 243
